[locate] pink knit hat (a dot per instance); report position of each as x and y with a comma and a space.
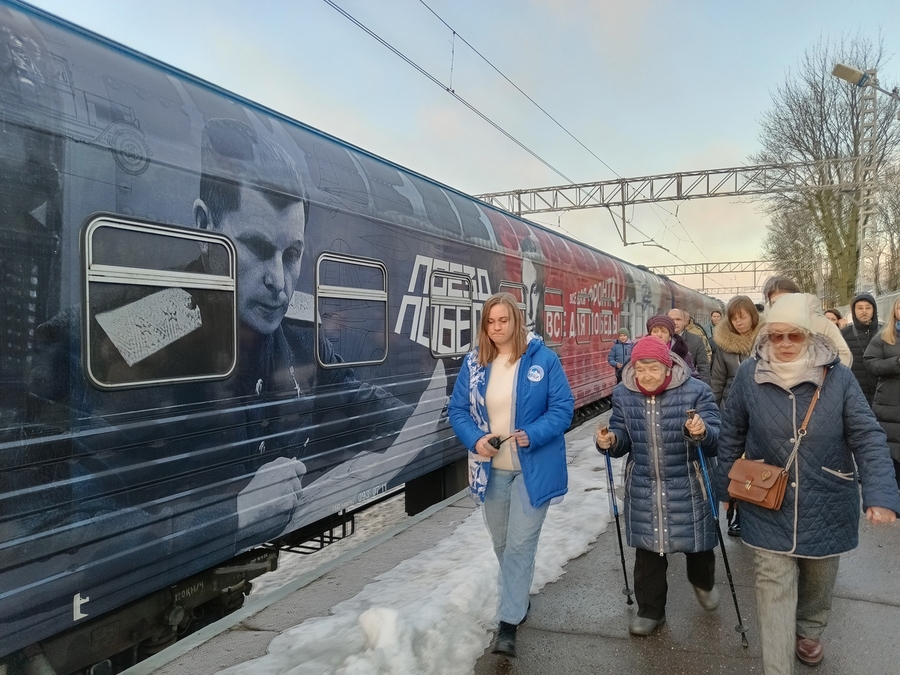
649, 347
661, 320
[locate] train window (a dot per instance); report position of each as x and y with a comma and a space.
554, 317
160, 304
583, 319
352, 305
452, 316
519, 292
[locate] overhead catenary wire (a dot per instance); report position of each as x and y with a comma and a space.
448, 89
519, 89
654, 207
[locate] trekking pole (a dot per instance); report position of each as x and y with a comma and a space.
740, 628
615, 508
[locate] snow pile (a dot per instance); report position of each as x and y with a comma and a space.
434, 613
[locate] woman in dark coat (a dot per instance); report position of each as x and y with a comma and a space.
882, 358
796, 548
734, 336
667, 509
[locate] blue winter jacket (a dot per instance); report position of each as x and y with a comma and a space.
667, 508
820, 513
543, 404
620, 353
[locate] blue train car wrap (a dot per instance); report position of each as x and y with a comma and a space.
221, 325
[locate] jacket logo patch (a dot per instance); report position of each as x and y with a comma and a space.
535, 373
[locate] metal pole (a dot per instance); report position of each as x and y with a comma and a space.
868, 136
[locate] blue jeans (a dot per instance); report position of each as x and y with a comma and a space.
515, 527
793, 598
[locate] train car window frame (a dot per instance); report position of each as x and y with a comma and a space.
556, 309
350, 293
579, 312
96, 272
505, 287
437, 303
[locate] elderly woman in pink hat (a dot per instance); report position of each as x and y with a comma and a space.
666, 506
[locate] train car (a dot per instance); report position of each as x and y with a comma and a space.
220, 327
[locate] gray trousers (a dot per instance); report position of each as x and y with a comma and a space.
793, 598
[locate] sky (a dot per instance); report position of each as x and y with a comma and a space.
647, 86
435, 612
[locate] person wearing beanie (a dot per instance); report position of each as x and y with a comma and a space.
666, 505
858, 334
796, 548
662, 327
779, 286
620, 354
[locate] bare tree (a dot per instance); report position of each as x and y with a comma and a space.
814, 117
889, 229
792, 243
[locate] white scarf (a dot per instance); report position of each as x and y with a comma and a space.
791, 373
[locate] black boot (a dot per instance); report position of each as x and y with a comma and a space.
506, 639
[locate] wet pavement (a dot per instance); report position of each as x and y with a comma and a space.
580, 623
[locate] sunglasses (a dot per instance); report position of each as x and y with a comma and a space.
794, 337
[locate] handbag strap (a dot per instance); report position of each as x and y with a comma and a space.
801, 432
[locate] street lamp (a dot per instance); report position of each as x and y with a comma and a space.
860, 79
865, 172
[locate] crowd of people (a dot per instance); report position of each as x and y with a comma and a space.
782, 382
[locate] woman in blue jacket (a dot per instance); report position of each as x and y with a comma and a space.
511, 407
667, 508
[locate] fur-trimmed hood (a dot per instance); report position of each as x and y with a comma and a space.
731, 342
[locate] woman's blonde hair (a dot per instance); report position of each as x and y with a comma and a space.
889, 332
487, 350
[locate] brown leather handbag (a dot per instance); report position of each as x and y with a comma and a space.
758, 483
763, 484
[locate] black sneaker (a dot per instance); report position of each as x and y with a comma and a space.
734, 530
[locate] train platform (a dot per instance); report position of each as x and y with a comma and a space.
419, 598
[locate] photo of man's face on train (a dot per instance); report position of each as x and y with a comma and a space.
251, 191
533, 282
532, 293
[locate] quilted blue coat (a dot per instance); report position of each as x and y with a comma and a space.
620, 352
667, 507
543, 407
820, 513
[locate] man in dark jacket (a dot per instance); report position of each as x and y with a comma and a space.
695, 344
863, 327
715, 317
